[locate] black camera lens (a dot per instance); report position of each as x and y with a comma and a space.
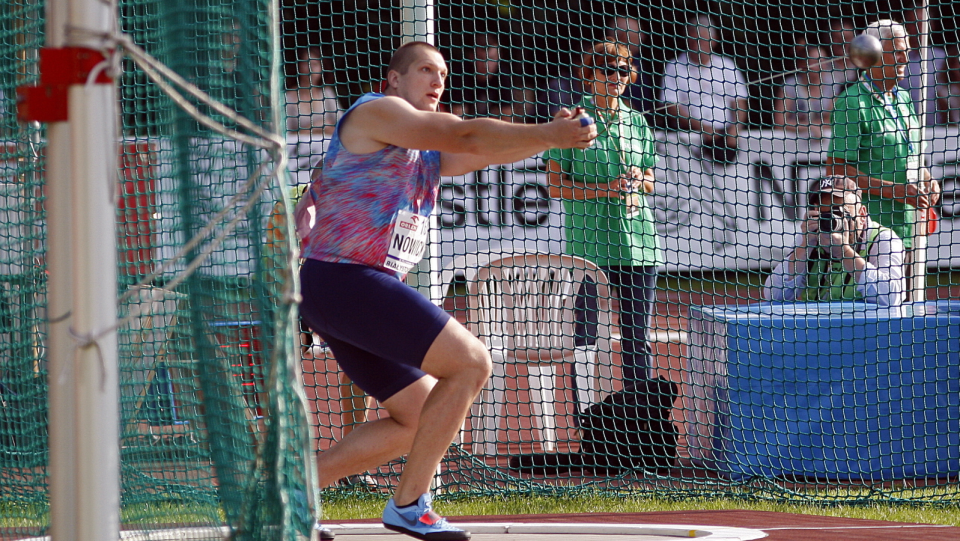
834, 222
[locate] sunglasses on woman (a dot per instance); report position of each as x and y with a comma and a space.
622, 70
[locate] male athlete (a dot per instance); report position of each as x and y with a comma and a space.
363, 225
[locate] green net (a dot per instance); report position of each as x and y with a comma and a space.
646, 359
23, 389
836, 399
213, 428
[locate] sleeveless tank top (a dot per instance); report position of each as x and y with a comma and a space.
369, 209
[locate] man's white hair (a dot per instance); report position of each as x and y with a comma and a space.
886, 29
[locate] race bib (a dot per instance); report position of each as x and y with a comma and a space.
407, 242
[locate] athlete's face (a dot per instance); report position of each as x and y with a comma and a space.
423, 83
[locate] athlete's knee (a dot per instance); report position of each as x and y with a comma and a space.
405, 406
476, 362
457, 354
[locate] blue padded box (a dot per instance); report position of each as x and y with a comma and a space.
835, 390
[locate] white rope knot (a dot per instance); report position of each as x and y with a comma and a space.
108, 46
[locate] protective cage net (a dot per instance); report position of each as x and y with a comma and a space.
214, 433
635, 352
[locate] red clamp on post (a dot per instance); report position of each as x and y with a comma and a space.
59, 69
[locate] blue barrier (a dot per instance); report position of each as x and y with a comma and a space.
835, 390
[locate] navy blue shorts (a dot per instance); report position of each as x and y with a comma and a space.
378, 328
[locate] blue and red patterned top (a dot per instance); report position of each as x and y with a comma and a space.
369, 209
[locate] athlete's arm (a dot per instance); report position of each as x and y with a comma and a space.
393, 121
459, 163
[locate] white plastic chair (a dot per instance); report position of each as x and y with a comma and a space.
523, 307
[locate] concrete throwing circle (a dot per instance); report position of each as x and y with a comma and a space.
553, 531
487, 531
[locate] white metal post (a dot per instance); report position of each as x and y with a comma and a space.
417, 21
82, 179
94, 159
61, 394
417, 18
918, 280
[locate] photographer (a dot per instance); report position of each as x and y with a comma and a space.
842, 254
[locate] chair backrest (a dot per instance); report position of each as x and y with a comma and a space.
526, 304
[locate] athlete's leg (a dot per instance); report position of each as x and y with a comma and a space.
462, 366
354, 405
386, 337
379, 441
424, 417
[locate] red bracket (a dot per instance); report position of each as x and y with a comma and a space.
59, 69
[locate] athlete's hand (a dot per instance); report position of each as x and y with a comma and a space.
571, 129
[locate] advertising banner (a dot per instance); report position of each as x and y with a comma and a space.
710, 216
742, 215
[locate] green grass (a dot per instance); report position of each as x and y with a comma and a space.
371, 507
28, 515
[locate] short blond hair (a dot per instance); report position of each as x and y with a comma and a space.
406, 55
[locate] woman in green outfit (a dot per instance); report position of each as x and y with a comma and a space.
604, 187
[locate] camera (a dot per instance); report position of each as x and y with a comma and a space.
836, 221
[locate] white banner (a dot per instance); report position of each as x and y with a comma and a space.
739, 216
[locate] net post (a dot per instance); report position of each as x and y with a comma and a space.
918, 276
84, 416
61, 391
94, 308
418, 21
418, 25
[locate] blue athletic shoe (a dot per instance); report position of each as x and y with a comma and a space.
419, 520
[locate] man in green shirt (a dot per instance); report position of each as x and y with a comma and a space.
877, 141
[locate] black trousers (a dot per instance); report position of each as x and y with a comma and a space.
637, 292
